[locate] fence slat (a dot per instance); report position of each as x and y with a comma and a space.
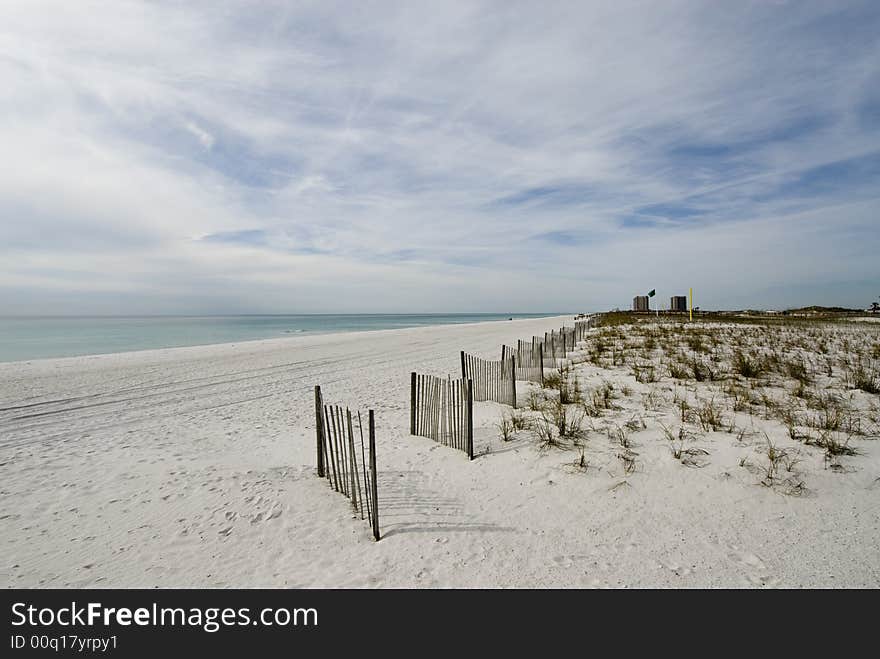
329, 429
340, 449
375, 493
367, 487
356, 497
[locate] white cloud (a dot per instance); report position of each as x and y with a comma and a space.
204, 137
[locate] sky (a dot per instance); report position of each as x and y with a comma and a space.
196, 157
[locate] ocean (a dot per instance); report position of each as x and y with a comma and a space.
25, 338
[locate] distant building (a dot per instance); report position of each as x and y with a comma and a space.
640, 303
678, 303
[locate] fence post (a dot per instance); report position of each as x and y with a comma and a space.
319, 429
513, 380
373, 485
541, 361
463, 370
470, 419
412, 404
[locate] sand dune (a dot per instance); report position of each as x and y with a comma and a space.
195, 467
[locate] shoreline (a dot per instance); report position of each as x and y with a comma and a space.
307, 334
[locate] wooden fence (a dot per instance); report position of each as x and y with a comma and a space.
553, 349
557, 344
493, 380
528, 358
443, 410
337, 456
581, 327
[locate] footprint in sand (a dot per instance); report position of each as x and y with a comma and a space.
762, 580
596, 582
745, 559
757, 573
676, 568
626, 547
568, 560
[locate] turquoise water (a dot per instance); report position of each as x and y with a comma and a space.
23, 338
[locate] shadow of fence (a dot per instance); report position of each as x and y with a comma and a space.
412, 503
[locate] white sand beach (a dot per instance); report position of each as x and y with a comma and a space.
195, 467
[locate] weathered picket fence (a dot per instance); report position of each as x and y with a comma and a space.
582, 327
442, 409
528, 359
552, 349
337, 456
493, 380
556, 345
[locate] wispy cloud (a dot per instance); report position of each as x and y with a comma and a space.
222, 157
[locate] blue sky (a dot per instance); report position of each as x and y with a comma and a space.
224, 157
